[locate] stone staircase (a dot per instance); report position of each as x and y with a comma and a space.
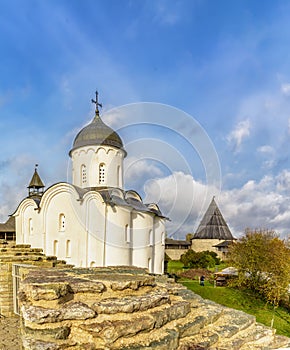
19, 254
126, 308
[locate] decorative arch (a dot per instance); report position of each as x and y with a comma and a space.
54, 190
26, 203
133, 194
101, 149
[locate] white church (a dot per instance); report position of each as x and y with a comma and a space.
93, 221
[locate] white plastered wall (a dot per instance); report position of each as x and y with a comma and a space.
92, 157
159, 246
118, 248
143, 250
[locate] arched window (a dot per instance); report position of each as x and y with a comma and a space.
92, 264
150, 265
127, 234
102, 173
84, 174
55, 248
30, 226
163, 238
68, 249
150, 237
61, 222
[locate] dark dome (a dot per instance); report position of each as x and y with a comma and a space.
97, 133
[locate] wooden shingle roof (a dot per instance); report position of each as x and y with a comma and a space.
8, 226
36, 181
213, 225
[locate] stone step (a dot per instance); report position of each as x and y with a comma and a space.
158, 340
265, 338
109, 330
240, 339
132, 303
196, 320
227, 324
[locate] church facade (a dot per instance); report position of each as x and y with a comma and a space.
93, 221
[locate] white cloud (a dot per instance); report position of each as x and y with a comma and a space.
266, 149
239, 133
181, 198
140, 169
285, 89
257, 204
269, 154
15, 174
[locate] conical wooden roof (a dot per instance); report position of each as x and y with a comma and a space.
36, 181
213, 225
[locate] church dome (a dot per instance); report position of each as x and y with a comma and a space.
97, 133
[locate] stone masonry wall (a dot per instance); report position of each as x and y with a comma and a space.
175, 254
18, 254
126, 308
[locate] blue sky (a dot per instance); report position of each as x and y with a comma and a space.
224, 63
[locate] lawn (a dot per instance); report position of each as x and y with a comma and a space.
245, 301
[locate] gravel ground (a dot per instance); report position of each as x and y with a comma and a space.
9, 333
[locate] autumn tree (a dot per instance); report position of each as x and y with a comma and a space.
263, 263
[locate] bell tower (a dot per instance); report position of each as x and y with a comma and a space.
36, 186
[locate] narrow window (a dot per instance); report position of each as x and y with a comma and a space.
118, 176
163, 238
127, 234
150, 265
68, 249
84, 174
55, 248
61, 222
102, 171
150, 238
30, 227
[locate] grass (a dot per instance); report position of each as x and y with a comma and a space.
175, 266
244, 301
237, 299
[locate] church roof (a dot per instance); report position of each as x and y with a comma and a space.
97, 133
116, 196
213, 225
36, 181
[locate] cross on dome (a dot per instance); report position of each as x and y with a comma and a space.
96, 102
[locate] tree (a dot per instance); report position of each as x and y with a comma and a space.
263, 263
198, 259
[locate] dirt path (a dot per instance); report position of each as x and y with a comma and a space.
9, 333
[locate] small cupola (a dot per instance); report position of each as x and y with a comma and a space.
36, 186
